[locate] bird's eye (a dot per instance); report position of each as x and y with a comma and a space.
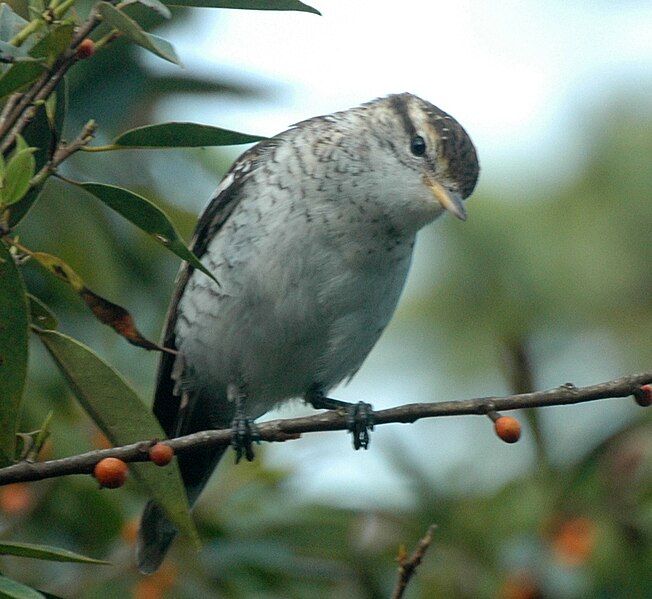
418, 145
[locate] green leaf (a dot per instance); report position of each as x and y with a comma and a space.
18, 75
116, 408
147, 217
10, 23
40, 314
155, 5
53, 554
18, 210
20, 170
13, 351
54, 43
247, 4
16, 590
182, 135
133, 31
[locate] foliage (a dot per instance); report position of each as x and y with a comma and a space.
40, 45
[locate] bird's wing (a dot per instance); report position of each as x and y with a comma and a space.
224, 200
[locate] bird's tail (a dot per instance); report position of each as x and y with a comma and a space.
156, 531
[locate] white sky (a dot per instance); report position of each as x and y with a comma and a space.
516, 74
519, 75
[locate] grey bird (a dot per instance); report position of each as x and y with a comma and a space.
310, 235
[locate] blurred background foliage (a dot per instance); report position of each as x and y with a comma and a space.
558, 282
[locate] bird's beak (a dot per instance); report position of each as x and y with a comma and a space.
449, 200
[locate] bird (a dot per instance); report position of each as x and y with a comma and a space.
310, 236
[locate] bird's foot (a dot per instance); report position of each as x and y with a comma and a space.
359, 416
360, 420
244, 435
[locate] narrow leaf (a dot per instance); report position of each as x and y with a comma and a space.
54, 43
13, 351
247, 4
17, 590
20, 170
18, 75
39, 134
116, 408
182, 135
46, 552
133, 31
147, 217
40, 314
105, 311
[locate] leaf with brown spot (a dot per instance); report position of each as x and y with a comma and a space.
113, 315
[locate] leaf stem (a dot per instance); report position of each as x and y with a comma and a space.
31, 27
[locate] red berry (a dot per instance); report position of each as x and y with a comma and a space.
161, 454
508, 429
111, 473
644, 396
86, 48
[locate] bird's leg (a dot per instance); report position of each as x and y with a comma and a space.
245, 432
359, 416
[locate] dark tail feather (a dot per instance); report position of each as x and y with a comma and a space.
156, 531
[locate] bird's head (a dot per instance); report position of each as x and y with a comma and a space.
442, 165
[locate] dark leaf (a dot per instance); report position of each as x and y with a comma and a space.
147, 217
19, 75
40, 314
12, 589
54, 43
14, 324
20, 209
118, 411
45, 552
135, 33
247, 4
105, 311
182, 135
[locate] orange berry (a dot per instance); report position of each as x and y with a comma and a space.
129, 531
508, 429
644, 396
161, 454
574, 541
15, 499
86, 48
110, 473
518, 586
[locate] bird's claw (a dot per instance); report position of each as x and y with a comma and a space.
360, 420
244, 435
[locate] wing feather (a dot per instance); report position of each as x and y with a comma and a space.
225, 199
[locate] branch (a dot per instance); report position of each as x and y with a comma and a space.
24, 108
407, 566
292, 428
63, 152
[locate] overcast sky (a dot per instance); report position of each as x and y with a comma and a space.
517, 73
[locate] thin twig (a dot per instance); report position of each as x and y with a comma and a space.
407, 566
25, 108
63, 152
292, 428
